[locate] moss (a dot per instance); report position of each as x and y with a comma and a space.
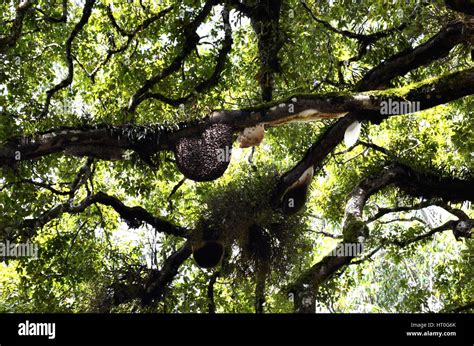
354, 228
242, 215
288, 99
404, 91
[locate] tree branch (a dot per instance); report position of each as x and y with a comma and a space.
355, 230
150, 289
260, 283
86, 13
364, 39
156, 286
466, 307
435, 48
134, 216
51, 19
463, 6
191, 39
108, 142
209, 82
378, 78
211, 304
453, 225
130, 35
9, 41
36, 183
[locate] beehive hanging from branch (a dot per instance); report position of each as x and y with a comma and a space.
206, 155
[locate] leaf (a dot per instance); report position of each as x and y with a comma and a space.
352, 134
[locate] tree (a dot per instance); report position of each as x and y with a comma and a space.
117, 126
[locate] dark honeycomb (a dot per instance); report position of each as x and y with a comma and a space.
199, 157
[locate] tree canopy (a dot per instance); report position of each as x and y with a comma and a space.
120, 124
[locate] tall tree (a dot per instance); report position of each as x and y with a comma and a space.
120, 129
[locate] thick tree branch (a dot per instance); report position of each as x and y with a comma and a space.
454, 211
134, 216
430, 185
435, 48
108, 142
460, 228
355, 229
265, 20
379, 78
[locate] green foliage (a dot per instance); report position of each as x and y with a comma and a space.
82, 255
